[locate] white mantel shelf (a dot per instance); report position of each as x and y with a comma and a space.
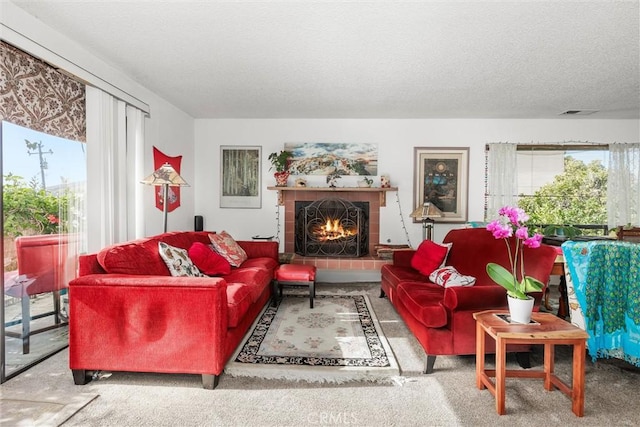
381, 190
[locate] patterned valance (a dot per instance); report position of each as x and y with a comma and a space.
37, 96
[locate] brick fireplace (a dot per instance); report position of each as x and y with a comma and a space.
375, 197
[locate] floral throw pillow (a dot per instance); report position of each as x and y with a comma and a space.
224, 244
178, 261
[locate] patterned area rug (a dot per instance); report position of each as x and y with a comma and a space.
338, 340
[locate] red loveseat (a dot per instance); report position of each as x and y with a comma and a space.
127, 313
442, 318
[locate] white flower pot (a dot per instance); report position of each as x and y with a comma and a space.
520, 309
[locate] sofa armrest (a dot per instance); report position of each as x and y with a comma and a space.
260, 249
477, 297
403, 258
132, 323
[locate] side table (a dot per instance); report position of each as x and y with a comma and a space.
548, 330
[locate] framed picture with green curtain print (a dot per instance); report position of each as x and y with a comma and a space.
240, 176
442, 177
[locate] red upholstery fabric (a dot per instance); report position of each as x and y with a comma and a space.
265, 263
46, 261
254, 278
208, 261
424, 301
117, 259
143, 322
428, 257
296, 273
443, 323
238, 302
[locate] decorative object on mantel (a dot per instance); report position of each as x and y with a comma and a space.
385, 181
511, 222
365, 182
425, 213
332, 179
301, 182
280, 161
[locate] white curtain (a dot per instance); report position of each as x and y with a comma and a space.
135, 170
113, 167
502, 177
623, 185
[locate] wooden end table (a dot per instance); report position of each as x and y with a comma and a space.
548, 330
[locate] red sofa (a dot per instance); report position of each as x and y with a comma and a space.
442, 318
127, 313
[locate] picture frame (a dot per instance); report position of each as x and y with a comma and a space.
240, 176
441, 177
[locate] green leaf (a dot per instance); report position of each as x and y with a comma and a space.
504, 278
532, 285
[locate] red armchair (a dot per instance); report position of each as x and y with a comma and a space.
46, 263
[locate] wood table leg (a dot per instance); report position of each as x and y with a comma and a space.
577, 391
479, 355
501, 359
549, 365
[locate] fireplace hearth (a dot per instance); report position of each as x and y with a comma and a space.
332, 227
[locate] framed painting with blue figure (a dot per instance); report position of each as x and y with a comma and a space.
442, 178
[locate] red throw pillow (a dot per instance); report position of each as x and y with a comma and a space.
208, 261
428, 257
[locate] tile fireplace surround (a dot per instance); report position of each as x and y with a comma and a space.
287, 196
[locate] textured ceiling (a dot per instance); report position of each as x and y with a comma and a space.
367, 59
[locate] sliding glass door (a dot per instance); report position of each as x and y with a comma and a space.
43, 227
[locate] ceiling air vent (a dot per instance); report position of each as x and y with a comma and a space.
578, 112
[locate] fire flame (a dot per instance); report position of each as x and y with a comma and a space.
332, 230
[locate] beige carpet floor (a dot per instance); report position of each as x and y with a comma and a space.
448, 397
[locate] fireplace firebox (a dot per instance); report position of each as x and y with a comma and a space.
332, 227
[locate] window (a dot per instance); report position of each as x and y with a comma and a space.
563, 185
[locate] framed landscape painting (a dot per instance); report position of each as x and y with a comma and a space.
442, 178
240, 176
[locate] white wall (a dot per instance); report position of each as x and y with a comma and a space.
396, 140
168, 128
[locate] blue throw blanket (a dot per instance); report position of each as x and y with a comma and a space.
606, 278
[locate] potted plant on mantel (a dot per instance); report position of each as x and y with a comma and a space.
280, 162
511, 222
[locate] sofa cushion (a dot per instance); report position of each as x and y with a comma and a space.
142, 257
262, 262
239, 299
428, 257
226, 246
208, 261
178, 261
424, 302
256, 279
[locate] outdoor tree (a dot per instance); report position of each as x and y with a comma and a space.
577, 196
29, 210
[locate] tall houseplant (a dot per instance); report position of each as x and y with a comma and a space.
512, 221
280, 162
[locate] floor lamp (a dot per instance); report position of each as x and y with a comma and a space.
425, 213
165, 176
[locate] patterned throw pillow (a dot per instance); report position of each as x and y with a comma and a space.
224, 244
178, 261
449, 277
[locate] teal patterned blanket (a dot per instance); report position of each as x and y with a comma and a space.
606, 280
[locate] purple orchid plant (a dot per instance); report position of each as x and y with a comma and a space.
511, 221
